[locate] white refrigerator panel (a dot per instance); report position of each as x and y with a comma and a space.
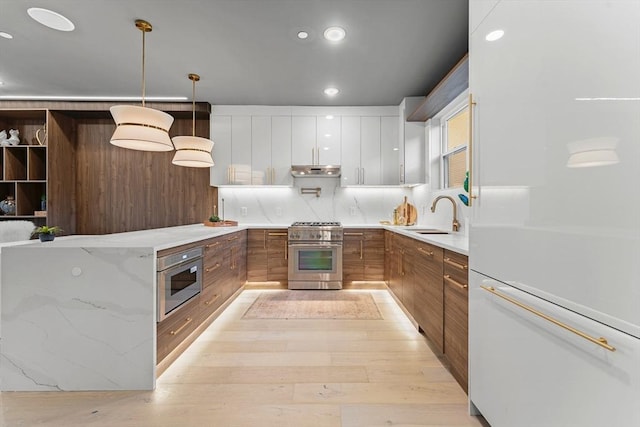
557, 153
525, 370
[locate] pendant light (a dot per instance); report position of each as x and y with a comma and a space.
193, 151
141, 128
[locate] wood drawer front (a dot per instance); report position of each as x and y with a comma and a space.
257, 255
277, 255
210, 299
173, 330
374, 255
456, 266
213, 248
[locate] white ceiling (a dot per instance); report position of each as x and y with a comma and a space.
245, 51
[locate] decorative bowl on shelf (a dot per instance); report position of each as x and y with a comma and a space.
8, 206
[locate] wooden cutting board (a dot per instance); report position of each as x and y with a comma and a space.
407, 213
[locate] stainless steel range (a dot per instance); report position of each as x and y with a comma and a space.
315, 255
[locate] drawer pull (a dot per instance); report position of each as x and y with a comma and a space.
211, 245
186, 322
278, 234
602, 342
215, 267
424, 251
456, 264
231, 238
448, 279
212, 300
354, 234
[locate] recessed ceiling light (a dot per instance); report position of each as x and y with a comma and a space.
329, 117
5, 35
494, 35
51, 19
1, 83
303, 35
335, 34
331, 91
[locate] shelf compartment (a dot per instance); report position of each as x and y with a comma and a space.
28, 196
37, 163
15, 163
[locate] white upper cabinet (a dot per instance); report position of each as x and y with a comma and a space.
361, 162
315, 140
221, 137
280, 151
261, 150
390, 150
303, 140
413, 147
350, 174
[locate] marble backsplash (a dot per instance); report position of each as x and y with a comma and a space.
349, 205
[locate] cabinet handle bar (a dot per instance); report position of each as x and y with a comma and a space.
456, 264
184, 325
602, 342
426, 252
353, 234
448, 279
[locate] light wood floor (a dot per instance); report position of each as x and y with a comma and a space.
298, 373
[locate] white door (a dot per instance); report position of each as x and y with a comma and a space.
240, 168
370, 152
350, 174
328, 140
221, 137
390, 150
303, 140
260, 150
557, 153
281, 150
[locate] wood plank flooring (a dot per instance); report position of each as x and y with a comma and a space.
298, 373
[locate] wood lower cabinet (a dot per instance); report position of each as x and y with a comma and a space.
429, 304
363, 254
225, 272
431, 283
176, 328
456, 315
267, 255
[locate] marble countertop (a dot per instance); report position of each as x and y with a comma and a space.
164, 238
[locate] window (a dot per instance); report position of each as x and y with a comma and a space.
454, 136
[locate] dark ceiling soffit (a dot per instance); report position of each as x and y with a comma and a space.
100, 106
452, 85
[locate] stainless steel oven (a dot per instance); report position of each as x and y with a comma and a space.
315, 256
179, 280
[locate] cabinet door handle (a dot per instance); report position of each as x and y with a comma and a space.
448, 279
602, 342
184, 325
211, 245
231, 238
426, 252
362, 180
357, 171
273, 176
313, 156
470, 149
353, 234
401, 173
361, 249
277, 234
286, 250
456, 264
210, 269
212, 300
264, 239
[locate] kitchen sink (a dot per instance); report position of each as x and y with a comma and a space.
430, 231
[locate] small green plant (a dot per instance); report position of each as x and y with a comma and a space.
45, 229
214, 218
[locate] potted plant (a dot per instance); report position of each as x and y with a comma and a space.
46, 233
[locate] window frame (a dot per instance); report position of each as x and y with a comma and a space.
447, 113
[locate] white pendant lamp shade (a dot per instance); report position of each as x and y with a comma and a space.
141, 128
192, 151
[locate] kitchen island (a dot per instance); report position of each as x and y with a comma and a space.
79, 313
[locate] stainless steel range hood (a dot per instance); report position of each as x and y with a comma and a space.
315, 171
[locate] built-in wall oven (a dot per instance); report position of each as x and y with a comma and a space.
315, 255
179, 279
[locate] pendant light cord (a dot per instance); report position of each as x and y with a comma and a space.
143, 53
193, 108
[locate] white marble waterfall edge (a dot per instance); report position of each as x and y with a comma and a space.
77, 319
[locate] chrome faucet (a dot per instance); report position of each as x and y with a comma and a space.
455, 224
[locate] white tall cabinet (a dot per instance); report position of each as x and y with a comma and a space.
361, 150
556, 143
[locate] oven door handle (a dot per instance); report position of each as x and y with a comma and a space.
315, 245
